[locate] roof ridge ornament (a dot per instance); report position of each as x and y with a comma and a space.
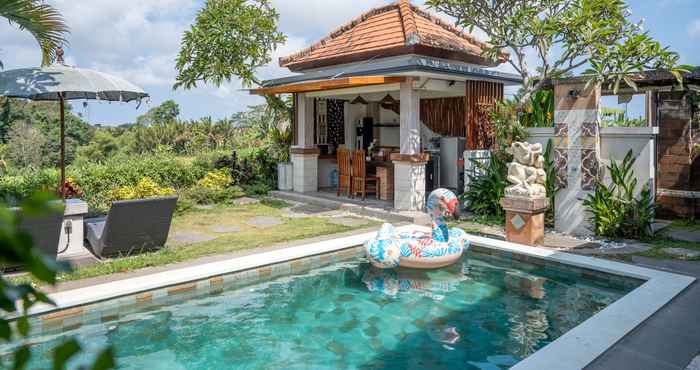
408, 21
59, 55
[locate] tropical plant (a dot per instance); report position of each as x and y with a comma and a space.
563, 36
42, 20
487, 189
507, 125
616, 211
211, 53
539, 112
16, 299
615, 117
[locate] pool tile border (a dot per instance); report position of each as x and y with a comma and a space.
573, 350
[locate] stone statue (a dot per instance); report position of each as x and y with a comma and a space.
526, 172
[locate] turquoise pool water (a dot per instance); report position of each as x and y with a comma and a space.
484, 313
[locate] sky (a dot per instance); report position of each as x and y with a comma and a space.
139, 40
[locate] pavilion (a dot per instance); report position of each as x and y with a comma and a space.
398, 76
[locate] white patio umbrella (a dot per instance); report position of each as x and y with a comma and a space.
60, 82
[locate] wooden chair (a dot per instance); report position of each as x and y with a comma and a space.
360, 177
344, 172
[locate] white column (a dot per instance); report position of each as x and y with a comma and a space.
305, 120
304, 157
409, 170
410, 118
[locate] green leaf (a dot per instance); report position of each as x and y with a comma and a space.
23, 326
105, 360
64, 352
5, 331
22, 356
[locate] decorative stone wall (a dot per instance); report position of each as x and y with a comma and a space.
305, 163
576, 153
409, 185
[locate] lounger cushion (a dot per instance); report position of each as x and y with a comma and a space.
93, 230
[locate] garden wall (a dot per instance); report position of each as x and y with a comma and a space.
614, 145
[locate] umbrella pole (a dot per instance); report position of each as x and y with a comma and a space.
63, 147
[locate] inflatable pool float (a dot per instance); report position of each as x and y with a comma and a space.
394, 281
417, 249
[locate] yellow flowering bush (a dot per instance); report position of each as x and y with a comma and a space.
216, 179
145, 188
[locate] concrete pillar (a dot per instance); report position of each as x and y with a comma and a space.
304, 155
409, 165
70, 242
410, 118
576, 154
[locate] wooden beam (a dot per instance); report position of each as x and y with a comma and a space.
337, 83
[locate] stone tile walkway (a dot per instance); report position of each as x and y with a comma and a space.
670, 339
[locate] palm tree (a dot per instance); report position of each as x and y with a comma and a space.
43, 21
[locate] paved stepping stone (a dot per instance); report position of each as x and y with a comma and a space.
348, 221
242, 201
684, 235
189, 237
306, 210
204, 206
222, 229
681, 252
263, 222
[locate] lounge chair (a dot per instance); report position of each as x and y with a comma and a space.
45, 231
131, 226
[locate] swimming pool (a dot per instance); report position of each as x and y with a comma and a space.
487, 312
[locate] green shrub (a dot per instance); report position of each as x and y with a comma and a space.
617, 213
216, 179
98, 181
145, 188
18, 185
205, 195
257, 188
485, 191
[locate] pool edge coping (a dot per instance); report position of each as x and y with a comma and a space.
575, 349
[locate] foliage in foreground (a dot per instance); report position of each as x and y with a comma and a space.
616, 211
16, 249
487, 188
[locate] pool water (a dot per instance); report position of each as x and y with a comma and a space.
482, 313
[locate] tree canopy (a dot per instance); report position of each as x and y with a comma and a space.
229, 38
564, 35
166, 111
43, 21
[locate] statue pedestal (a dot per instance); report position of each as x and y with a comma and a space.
525, 219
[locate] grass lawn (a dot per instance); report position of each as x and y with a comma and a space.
659, 243
201, 221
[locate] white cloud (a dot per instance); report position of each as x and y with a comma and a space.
694, 28
139, 41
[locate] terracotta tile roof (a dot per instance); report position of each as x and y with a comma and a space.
395, 29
